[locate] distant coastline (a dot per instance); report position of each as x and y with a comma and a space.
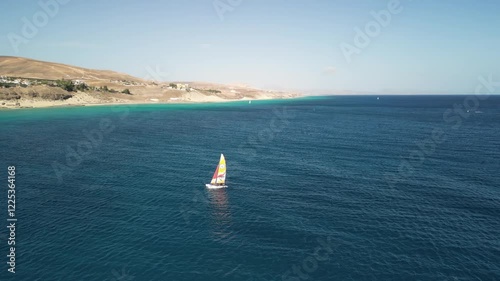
27, 83
47, 104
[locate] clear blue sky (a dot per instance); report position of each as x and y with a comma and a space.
430, 46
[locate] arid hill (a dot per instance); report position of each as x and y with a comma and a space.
29, 68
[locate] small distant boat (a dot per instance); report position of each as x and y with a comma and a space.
249, 102
219, 178
378, 98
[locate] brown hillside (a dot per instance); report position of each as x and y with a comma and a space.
29, 68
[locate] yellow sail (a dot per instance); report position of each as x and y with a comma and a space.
220, 173
221, 177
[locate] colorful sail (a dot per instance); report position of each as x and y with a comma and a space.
220, 173
214, 178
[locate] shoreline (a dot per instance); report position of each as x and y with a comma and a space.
47, 105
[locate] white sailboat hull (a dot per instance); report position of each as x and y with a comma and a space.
210, 186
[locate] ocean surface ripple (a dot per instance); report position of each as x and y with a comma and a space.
117, 193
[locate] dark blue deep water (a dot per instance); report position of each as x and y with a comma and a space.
337, 188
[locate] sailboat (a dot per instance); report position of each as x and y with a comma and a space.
219, 178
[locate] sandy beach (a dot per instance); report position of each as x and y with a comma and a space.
94, 99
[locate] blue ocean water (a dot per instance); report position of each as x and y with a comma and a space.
327, 188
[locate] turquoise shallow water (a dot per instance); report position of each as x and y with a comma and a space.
336, 188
